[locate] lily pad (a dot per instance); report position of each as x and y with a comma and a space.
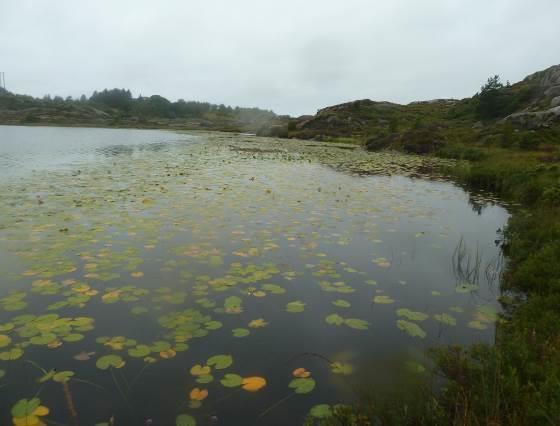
321, 411
341, 303
185, 420
253, 384
5, 340
302, 386
63, 376
11, 355
383, 300
334, 319
410, 328
139, 351
108, 361
357, 324
220, 362
231, 380
295, 306
412, 315
240, 332
24, 407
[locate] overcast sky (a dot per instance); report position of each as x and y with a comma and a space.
290, 56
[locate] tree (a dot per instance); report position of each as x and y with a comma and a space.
491, 99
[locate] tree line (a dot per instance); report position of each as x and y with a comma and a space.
155, 106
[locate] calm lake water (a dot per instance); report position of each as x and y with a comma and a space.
269, 276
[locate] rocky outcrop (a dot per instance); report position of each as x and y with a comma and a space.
546, 86
547, 82
548, 78
553, 91
355, 105
535, 120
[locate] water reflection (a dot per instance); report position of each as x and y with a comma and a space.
23, 149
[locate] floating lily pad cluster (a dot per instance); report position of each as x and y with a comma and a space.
135, 259
203, 375
48, 330
29, 412
188, 324
358, 324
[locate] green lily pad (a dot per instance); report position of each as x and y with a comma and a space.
219, 362
412, 315
108, 361
341, 303
357, 324
295, 306
7, 327
74, 337
240, 332
185, 420
383, 300
321, 411
62, 376
302, 385
24, 407
43, 339
213, 325
140, 351
273, 288
232, 305
334, 319
411, 328
231, 380
5, 340
160, 346
11, 355
206, 378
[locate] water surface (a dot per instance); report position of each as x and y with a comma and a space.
130, 258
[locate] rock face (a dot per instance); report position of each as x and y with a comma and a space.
535, 120
548, 81
547, 78
553, 91
547, 85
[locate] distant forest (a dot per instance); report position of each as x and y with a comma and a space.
154, 106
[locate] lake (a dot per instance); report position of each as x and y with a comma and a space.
220, 279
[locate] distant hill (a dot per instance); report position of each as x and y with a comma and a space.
117, 108
526, 113
528, 106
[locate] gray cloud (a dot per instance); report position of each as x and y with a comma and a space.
291, 56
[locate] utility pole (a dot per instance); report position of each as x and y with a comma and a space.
3, 80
